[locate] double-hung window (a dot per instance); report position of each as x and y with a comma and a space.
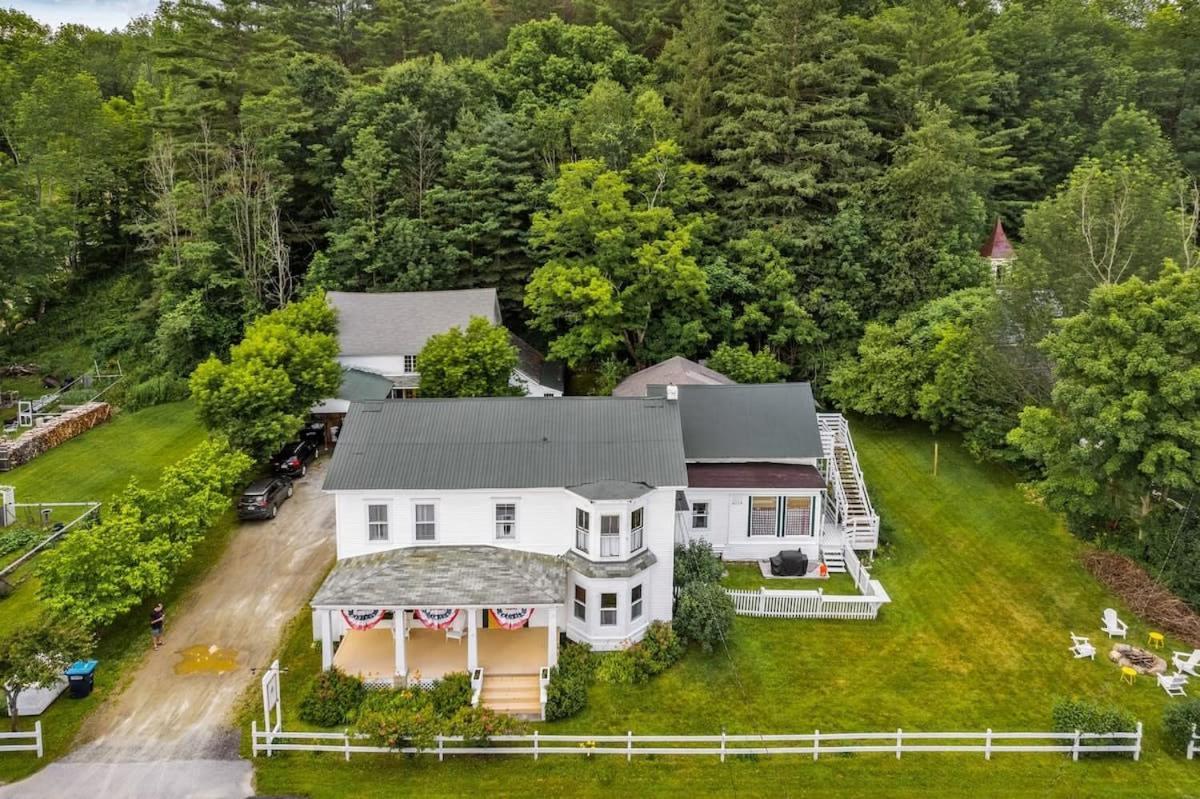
506, 521
580, 603
635, 603
610, 536
781, 516
700, 515
425, 521
410, 364
377, 522
764, 513
608, 610
637, 532
797, 516
583, 529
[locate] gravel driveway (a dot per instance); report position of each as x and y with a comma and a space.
169, 732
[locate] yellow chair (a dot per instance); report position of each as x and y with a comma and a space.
1127, 674
1155, 640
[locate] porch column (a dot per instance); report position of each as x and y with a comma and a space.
326, 639
472, 640
400, 634
552, 636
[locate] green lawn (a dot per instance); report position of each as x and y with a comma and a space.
95, 466
985, 589
748, 575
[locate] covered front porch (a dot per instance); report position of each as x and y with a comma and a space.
411, 616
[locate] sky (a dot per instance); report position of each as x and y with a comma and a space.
105, 14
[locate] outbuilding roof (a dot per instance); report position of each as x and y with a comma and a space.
445, 576
997, 246
754, 422
678, 370
400, 322
359, 384
514, 442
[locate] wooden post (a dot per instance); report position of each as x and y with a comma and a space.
441, 754
722, 746
816, 744
935, 458
1075, 747
400, 645
629, 746
987, 747
346, 733
37, 728
1137, 752
899, 742
535, 744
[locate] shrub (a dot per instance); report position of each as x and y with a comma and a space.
331, 698
696, 563
19, 539
1070, 715
451, 694
659, 649
620, 667
704, 614
569, 681
399, 718
1178, 720
477, 724
155, 391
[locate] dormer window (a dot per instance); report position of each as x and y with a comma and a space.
410, 364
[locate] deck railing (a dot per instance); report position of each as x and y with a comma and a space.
774, 604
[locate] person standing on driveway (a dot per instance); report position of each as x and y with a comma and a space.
158, 617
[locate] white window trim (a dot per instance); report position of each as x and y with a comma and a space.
516, 522
575, 603
632, 549
391, 521
615, 610
600, 534
404, 363
437, 521
578, 529
639, 619
707, 503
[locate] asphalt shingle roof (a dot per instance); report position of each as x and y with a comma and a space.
520, 442
677, 370
445, 576
400, 322
748, 422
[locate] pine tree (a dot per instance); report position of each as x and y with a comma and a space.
793, 139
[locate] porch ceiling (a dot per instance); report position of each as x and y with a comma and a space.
448, 576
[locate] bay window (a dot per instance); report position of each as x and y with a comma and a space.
583, 529
637, 536
610, 536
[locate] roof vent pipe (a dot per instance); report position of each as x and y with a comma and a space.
672, 392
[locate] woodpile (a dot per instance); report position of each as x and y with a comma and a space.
18, 370
52, 432
1145, 597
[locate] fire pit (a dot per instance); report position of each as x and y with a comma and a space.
1140, 660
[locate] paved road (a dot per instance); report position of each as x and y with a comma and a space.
169, 733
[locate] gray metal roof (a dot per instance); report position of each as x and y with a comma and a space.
610, 489
514, 442
359, 384
678, 370
400, 322
749, 422
446, 576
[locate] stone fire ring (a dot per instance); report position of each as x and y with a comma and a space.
1140, 660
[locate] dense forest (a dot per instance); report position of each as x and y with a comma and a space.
791, 188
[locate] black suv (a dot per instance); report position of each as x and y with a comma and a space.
293, 459
262, 498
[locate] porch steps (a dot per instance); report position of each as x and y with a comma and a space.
514, 694
834, 560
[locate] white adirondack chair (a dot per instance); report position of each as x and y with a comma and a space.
1112, 625
1082, 647
1187, 661
1173, 683
457, 629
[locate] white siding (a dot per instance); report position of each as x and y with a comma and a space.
729, 514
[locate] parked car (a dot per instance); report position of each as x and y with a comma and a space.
262, 498
314, 432
293, 459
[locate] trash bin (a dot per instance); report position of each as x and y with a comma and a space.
80, 676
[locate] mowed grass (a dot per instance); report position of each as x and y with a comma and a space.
95, 466
985, 589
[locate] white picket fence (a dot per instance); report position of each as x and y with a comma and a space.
1194, 744
816, 743
775, 604
32, 737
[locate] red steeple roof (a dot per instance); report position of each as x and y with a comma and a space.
997, 245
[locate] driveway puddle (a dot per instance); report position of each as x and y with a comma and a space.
202, 659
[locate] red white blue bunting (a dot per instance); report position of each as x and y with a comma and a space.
436, 618
512, 618
360, 619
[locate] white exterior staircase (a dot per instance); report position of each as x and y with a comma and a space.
834, 560
849, 506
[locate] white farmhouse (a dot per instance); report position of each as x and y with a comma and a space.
472, 533
381, 334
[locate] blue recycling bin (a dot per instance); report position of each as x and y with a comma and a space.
81, 675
